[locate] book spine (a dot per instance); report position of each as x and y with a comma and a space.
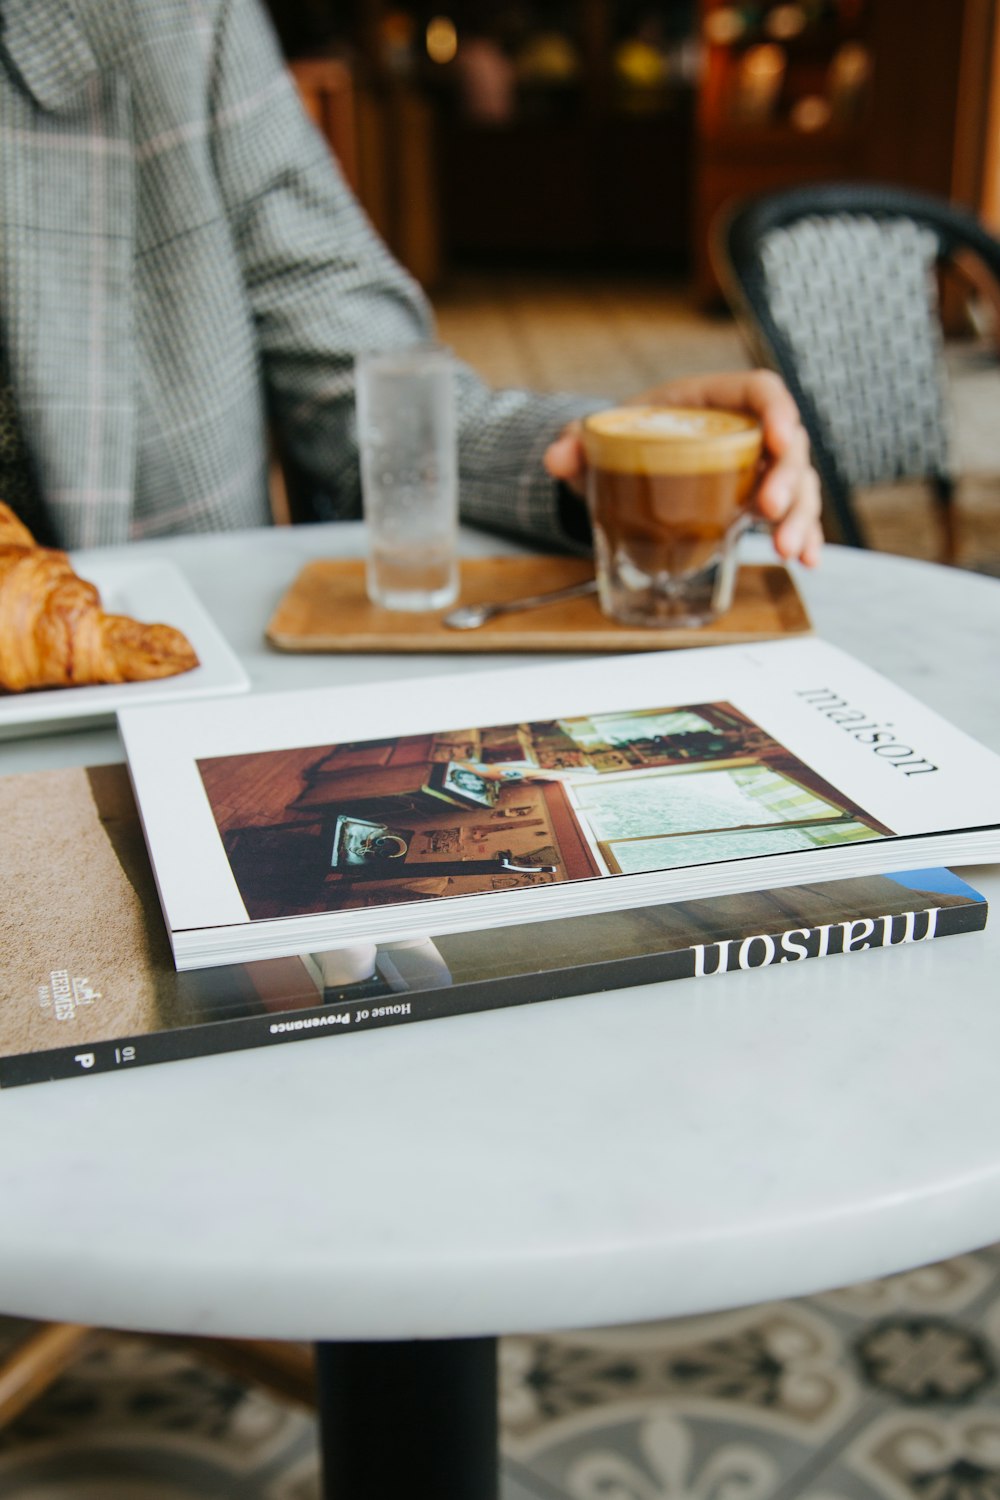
699, 960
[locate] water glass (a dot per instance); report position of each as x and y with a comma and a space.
409, 476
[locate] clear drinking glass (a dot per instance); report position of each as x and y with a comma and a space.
669, 491
409, 476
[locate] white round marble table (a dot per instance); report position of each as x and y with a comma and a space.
651, 1152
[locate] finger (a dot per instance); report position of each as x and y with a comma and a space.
814, 545
808, 552
767, 395
564, 457
782, 481
799, 534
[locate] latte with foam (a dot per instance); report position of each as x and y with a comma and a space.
668, 490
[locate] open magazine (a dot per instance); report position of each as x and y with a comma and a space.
282, 824
88, 985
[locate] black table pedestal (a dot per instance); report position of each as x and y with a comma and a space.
413, 1418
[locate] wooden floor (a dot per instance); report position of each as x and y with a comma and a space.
617, 336
601, 335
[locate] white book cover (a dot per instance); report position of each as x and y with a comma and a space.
282, 823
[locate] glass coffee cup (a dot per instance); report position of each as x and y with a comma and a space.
669, 491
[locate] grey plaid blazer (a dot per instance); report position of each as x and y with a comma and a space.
180, 263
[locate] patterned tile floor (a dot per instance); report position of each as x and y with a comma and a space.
889, 1391
886, 1391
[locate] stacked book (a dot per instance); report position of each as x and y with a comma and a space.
317, 863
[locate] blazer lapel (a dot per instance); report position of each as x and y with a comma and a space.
67, 241
47, 49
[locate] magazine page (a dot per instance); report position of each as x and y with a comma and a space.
679, 774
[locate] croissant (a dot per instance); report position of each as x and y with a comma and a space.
54, 633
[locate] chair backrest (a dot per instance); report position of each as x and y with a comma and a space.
836, 288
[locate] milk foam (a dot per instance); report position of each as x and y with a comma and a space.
671, 440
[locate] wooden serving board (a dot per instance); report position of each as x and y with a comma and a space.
327, 609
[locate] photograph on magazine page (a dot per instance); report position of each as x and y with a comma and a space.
411, 817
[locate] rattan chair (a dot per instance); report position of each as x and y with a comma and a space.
836, 289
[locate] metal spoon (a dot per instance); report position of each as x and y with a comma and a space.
471, 616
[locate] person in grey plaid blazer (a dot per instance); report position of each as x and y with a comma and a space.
181, 265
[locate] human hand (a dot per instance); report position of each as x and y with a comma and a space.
788, 494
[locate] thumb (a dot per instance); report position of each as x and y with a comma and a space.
564, 457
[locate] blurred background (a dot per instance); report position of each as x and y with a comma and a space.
549, 171
605, 133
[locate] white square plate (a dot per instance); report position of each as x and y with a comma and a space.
147, 590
